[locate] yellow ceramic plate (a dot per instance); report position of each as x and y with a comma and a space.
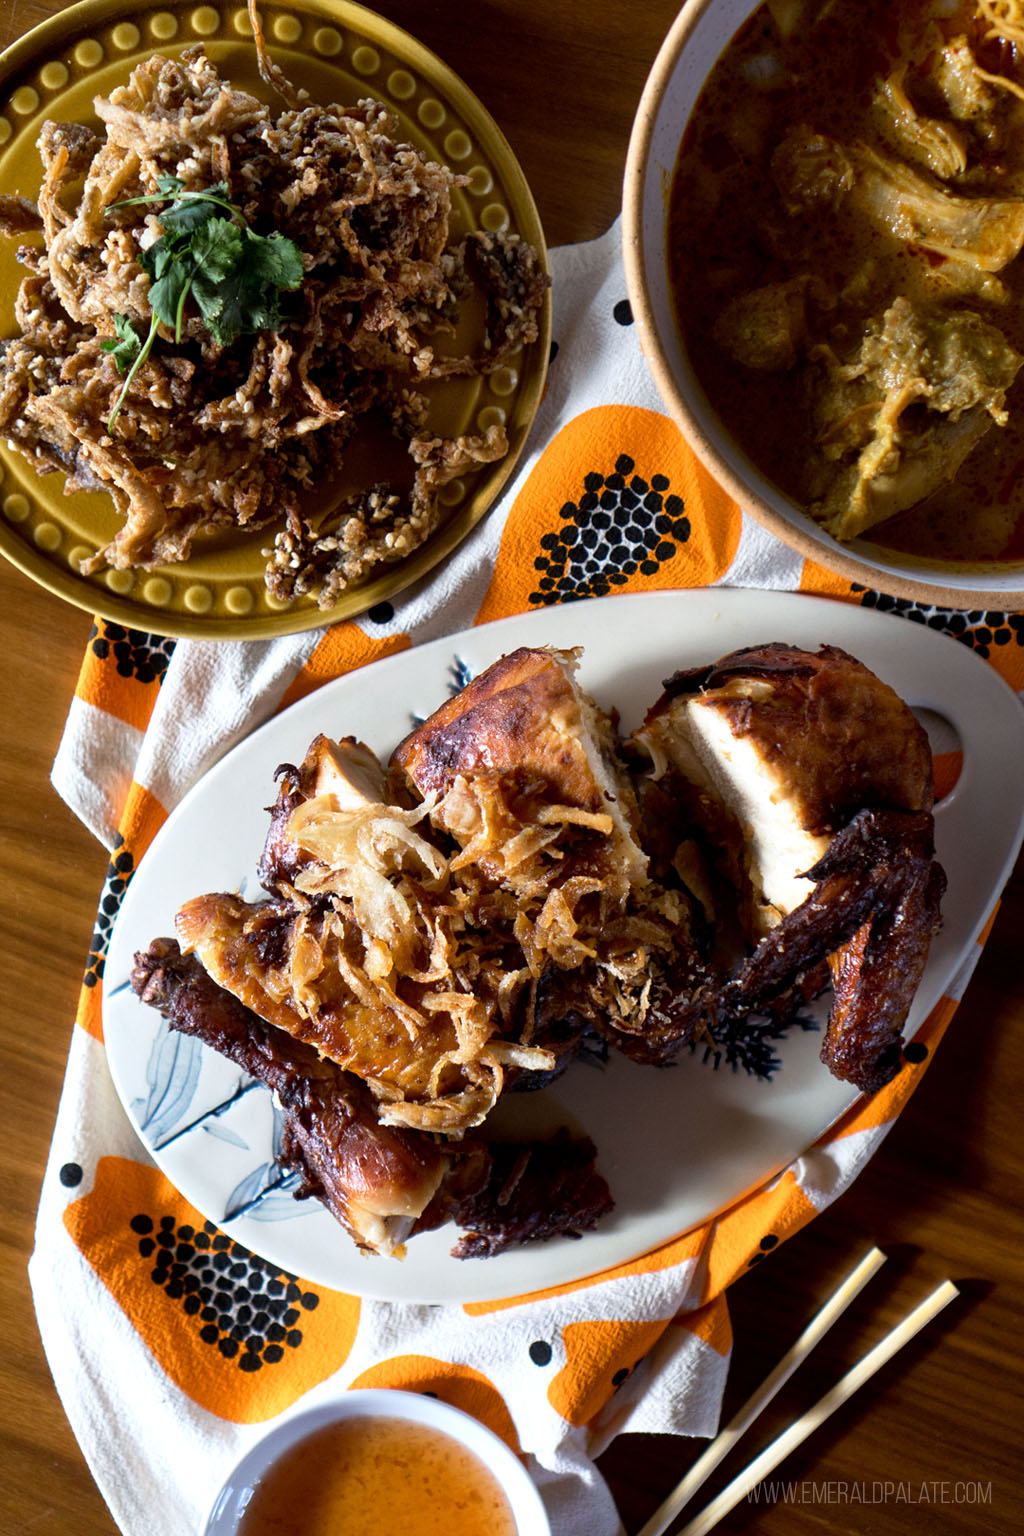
338, 52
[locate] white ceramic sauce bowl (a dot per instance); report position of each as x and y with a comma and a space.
699, 35
524, 1501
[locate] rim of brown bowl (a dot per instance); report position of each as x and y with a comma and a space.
942, 590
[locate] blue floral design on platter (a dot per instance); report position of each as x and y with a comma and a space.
237, 1121
172, 1076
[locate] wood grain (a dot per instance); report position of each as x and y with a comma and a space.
943, 1195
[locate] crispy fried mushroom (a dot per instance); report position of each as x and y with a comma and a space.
225, 439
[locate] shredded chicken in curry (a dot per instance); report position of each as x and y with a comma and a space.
215, 438
848, 218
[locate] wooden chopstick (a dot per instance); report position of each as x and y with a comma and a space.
741, 1422
797, 1432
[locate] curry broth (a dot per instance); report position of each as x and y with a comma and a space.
731, 232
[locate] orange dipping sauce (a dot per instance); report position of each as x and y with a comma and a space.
377, 1476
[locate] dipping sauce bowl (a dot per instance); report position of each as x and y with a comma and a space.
379, 1463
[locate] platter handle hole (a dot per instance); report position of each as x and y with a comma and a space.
947, 750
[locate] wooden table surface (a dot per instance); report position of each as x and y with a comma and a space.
934, 1443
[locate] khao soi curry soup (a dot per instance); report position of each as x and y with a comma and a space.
847, 221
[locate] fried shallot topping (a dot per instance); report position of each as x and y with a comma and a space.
443, 935
242, 408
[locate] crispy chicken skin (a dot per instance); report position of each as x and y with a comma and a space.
524, 725
251, 949
845, 735
784, 746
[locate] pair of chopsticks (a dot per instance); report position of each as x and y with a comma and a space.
797, 1432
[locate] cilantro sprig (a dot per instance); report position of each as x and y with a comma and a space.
208, 252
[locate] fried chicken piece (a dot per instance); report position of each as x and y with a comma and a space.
370, 953
876, 974
783, 747
383, 1185
809, 770
534, 1192
872, 915
373, 1179
522, 769
305, 971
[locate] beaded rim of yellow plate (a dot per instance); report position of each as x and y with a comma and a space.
326, 45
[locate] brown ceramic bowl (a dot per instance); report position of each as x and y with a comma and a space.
701, 32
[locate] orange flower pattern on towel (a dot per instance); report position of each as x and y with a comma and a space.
240, 1337
992, 634
458, 1385
344, 648
750, 1229
142, 820
122, 671
711, 1323
599, 1357
616, 502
